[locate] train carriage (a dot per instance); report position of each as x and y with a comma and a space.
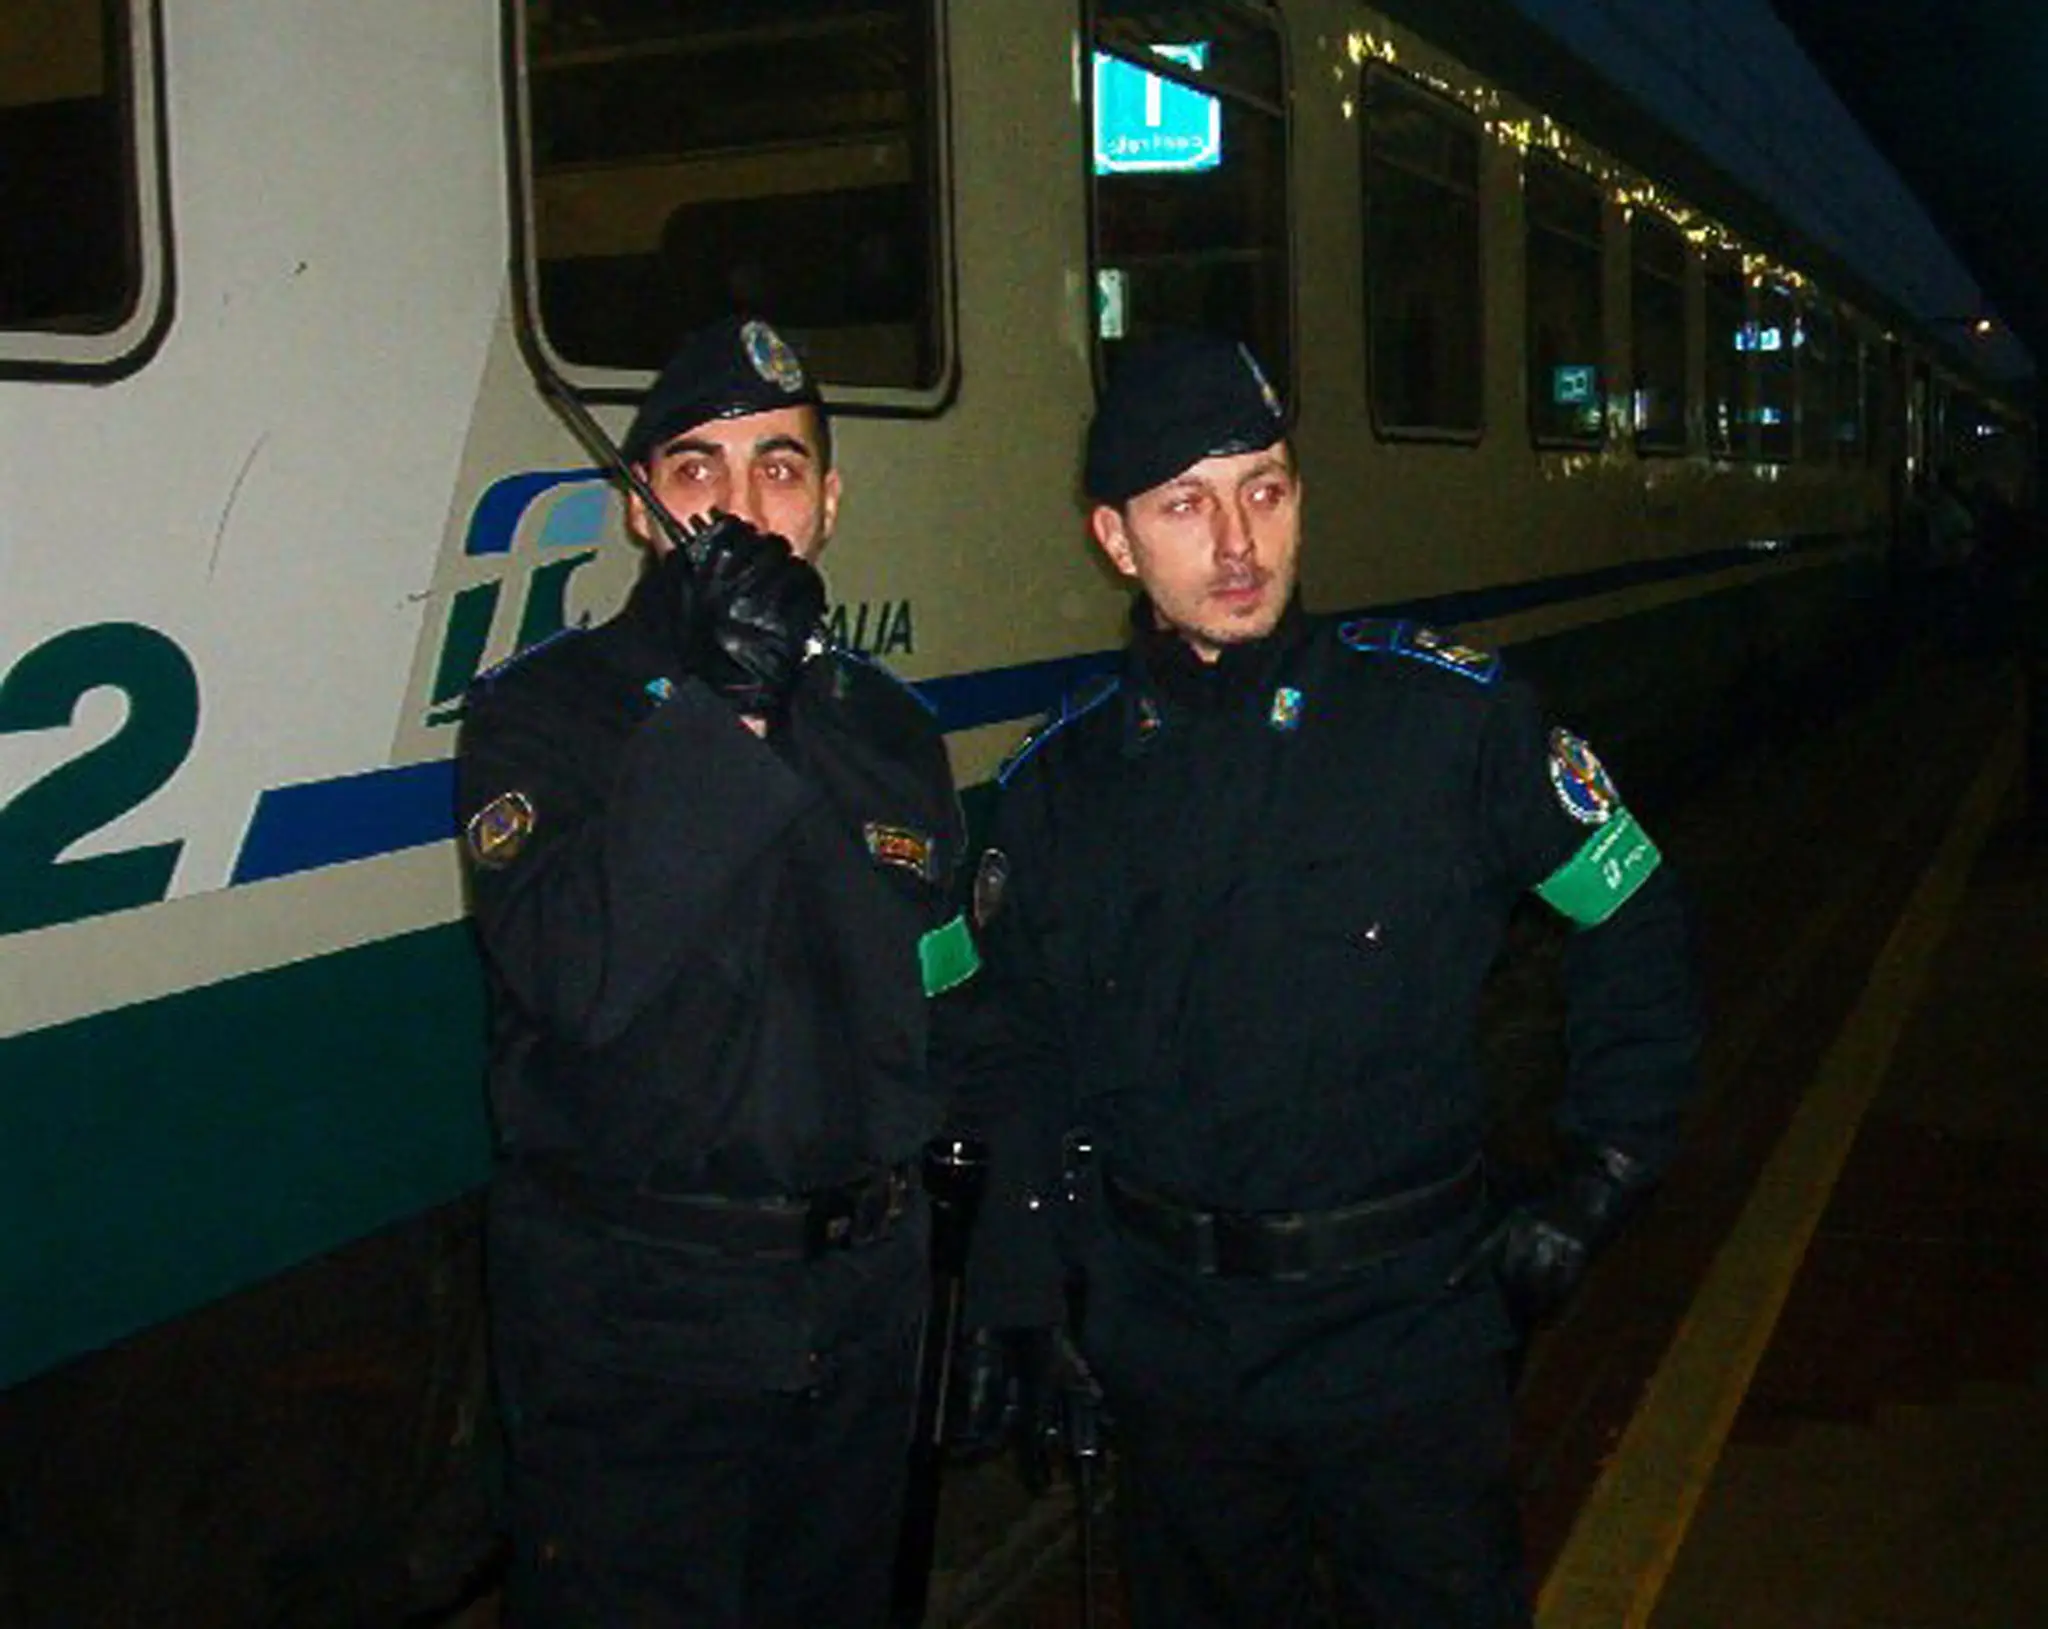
286, 290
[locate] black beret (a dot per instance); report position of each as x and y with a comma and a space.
725, 370
1173, 399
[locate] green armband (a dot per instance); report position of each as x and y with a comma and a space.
947, 956
1598, 880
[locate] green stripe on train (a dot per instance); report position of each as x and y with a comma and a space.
165, 1154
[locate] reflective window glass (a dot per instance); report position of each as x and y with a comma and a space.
1729, 344
1851, 358
1423, 305
1879, 401
69, 225
1658, 342
693, 158
1773, 340
1187, 134
1565, 336
1818, 426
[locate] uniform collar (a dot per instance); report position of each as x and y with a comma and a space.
1170, 684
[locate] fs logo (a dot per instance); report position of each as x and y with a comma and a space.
528, 536
568, 516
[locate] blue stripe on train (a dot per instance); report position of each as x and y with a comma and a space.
356, 817
316, 823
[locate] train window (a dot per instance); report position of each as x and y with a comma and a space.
1658, 339
82, 277
1878, 395
1422, 269
1773, 340
1818, 426
1188, 167
1566, 283
1852, 358
1729, 342
690, 158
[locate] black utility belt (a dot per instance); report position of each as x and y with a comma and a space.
1291, 1243
787, 1227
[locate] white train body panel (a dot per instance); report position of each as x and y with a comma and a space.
237, 540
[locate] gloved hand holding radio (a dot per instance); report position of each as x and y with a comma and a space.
1003, 1389
1028, 1392
744, 607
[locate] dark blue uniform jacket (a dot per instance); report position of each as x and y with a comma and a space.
704, 951
1245, 915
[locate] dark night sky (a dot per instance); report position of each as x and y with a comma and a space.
1955, 94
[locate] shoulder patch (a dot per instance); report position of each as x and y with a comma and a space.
491, 675
499, 830
1581, 780
1072, 707
1420, 643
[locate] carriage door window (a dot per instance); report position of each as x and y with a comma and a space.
696, 158
82, 280
1188, 165
1879, 374
1774, 341
1658, 334
1422, 277
1565, 336
1729, 344
1849, 363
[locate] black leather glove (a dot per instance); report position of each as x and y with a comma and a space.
1540, 1250
669, 593
1006, 1397
757, 606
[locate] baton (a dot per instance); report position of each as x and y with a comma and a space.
1082, 1418
955, 1172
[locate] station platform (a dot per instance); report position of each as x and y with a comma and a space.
1810, 1387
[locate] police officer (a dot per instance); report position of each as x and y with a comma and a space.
1236, 920
710, 857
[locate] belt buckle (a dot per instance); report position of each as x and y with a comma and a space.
856, 1213
829, 1221
1275, 1246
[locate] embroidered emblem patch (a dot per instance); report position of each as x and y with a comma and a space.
660, 690
1581, 781
1286, 710
903, 848
991, 876
772, 358
499, 830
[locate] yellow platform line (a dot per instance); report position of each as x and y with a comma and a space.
1626, 1539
